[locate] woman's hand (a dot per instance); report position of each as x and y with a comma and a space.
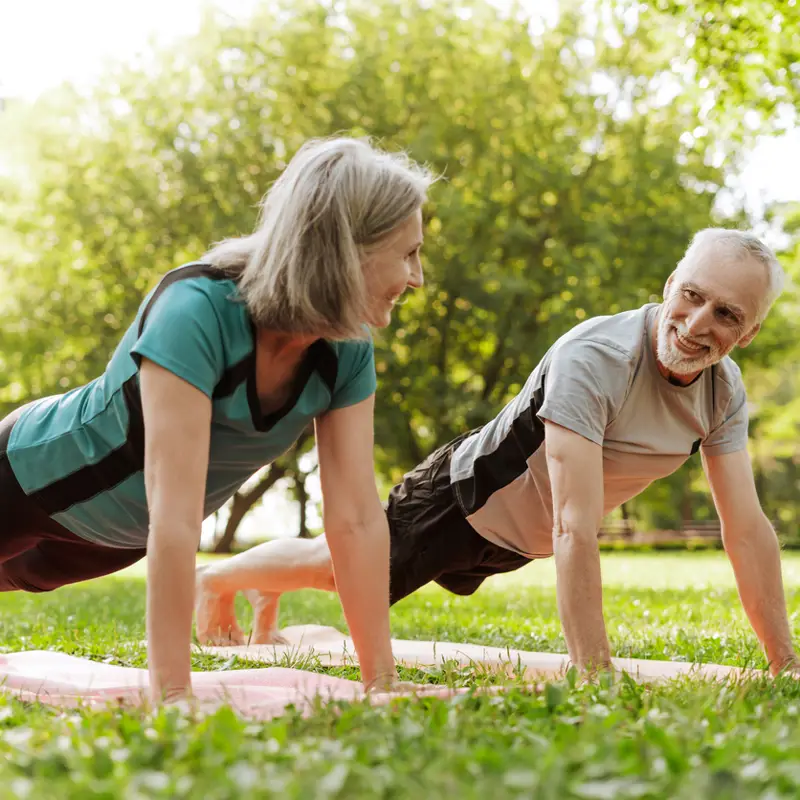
177, 426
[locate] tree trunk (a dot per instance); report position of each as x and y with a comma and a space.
302, 498
687, 502
242, 502
626, 520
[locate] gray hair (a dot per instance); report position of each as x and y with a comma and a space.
740, 246
301, 270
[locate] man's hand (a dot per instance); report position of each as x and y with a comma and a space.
790, 667
575, 465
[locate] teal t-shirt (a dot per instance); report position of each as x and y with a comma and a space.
80, 455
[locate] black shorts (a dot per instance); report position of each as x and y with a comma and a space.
37, 554
431, 539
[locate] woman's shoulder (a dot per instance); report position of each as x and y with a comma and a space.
194, 286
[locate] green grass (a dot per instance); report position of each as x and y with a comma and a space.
686, 739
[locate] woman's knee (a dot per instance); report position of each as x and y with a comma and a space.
12, 580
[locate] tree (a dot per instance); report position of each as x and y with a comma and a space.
568, 188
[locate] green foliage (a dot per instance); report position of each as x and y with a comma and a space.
744, 55
568, 190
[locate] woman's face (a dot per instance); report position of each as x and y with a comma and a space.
391, 268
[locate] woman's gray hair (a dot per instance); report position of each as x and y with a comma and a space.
740, 246
301, 271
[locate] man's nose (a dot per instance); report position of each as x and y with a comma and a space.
698, 320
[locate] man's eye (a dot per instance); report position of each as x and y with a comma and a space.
690, 295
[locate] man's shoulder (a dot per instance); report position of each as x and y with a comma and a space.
729, 375
620, 336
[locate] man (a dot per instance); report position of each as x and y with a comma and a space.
615, 403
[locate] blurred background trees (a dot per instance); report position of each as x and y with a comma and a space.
577, 160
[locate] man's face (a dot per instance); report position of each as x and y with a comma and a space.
710, 306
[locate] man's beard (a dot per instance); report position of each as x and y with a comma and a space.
675, 360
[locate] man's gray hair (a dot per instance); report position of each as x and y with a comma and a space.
301, 270
740, 246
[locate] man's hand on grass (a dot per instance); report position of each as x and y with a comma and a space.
789, 666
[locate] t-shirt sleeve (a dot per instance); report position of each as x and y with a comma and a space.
356, 378
182, 334
584, 388
730, 436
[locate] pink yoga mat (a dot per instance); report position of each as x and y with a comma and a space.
332, 647
261, 693
61, 680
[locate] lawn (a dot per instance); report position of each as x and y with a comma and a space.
682, 740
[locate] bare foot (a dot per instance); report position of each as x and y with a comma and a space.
265, 618
215, 615
273, 636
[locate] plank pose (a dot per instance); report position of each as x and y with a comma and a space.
616, 403
227, 362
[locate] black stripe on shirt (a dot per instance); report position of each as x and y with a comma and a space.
93, 479
492, 471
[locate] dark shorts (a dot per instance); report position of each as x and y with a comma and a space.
37, 554
431, 539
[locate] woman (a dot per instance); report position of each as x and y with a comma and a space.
226, 363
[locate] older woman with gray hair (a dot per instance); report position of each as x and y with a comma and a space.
227, 362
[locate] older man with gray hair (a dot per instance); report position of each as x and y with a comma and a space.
616, 403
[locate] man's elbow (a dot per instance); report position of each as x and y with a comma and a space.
574, 531
748, 531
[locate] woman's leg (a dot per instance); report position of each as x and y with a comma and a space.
49, 564
263, 573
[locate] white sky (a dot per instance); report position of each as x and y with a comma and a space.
46, 42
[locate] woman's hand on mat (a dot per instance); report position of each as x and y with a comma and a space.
388, 683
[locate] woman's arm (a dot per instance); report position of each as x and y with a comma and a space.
177, 425
358, 535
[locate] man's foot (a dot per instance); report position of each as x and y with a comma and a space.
265, 618
215, 615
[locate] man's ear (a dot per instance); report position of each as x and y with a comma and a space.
749, 336
669, 283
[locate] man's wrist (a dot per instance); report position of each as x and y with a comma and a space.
783, 661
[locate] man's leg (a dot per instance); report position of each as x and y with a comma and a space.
263, 573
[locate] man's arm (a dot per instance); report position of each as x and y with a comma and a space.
575, 466
754, 553
358, 535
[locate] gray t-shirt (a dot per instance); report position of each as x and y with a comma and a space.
600, 380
